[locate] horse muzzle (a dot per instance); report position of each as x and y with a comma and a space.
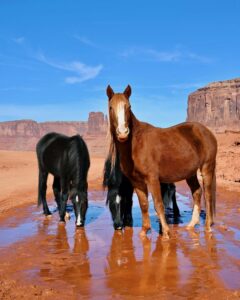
122, 135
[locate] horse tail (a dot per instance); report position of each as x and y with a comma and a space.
168, 191
79, 161
84, 163
165, 195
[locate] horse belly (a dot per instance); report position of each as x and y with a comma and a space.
172, 169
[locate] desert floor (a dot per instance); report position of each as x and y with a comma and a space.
41, 259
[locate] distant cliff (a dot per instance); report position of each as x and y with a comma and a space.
216, 105
24, 134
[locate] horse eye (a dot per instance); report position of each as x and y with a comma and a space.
110, 107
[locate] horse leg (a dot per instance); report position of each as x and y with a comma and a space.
196, 194
57, 191
42, 188
176, 212
128, 220
155, 189
63, 203
209, 187
143, 201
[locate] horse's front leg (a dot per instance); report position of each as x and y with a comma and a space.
128, 220
63, 204
143, 201
155, 189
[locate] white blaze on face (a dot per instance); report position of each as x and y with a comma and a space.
79, 221
121, 117
118, 199
77, 200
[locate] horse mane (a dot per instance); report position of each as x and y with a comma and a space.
79, 160
112, 151
112, 176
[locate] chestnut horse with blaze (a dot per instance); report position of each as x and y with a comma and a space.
149, 155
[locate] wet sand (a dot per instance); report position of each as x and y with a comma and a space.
44, 260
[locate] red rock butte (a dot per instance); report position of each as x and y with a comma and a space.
216, 105
24, 134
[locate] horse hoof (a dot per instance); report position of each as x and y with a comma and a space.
62, 223
79, 225
128, 228
208, 229
118, 228
191, 225
67, 216
144, 232
166, 236
49, 216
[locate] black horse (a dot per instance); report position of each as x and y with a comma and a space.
67, 159
120, 193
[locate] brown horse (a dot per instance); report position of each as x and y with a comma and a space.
149, 155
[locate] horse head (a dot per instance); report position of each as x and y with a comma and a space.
119, 113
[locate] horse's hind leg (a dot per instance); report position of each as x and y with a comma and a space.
42, 188
57, 191
209, 185
143, 201
196, 193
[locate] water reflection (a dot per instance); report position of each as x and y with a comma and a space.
99, 261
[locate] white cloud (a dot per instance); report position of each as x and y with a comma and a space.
143, 53
19, 40
83, 72
85, 41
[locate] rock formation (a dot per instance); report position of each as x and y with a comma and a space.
24, 134
97, 122
216, 105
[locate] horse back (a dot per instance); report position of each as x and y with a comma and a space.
58, 154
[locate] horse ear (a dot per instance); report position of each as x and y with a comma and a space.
109, 92
127, 91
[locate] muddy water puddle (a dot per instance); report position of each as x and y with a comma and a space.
99, 263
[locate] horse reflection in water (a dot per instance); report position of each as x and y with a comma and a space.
167, 269
140, 272
120, 193
69, 264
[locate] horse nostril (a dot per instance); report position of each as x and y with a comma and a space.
127, 131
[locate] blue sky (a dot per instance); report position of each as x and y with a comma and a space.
57, 57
